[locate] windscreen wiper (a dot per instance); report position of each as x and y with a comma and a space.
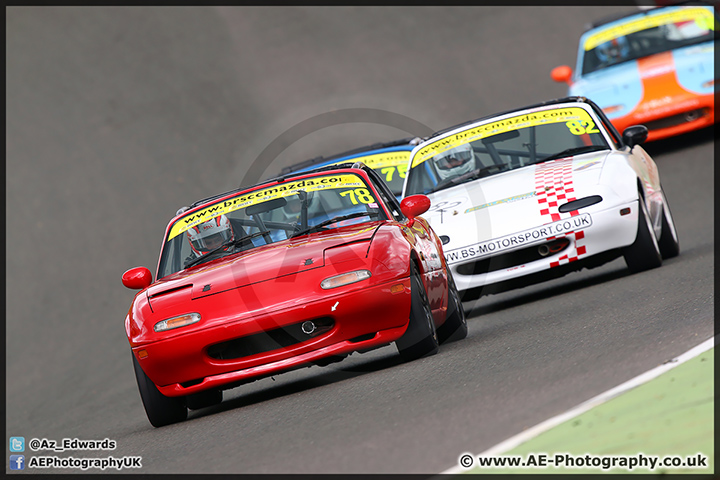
469, 176
229, 243
322, 224
569, 152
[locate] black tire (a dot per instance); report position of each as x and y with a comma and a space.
669, 243
208, 398
455, 326
160, 410
420, 339
644, 253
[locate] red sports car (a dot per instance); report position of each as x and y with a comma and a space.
299, 270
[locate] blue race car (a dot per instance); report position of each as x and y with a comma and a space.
389, 160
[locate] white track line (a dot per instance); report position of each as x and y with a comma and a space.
533, 432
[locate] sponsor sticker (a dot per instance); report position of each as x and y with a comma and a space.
703, 17
385, 163
379, 160
446, 205
657, 103
587, 165
512, 241
504, 200
577, 119
263, 195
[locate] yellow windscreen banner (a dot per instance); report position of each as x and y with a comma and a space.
703, 17
263, 195
557, 115
380, 160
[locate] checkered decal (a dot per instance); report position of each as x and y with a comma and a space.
553, 187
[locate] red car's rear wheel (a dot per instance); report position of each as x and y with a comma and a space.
455, 326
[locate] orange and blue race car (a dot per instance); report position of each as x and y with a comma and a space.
653, 67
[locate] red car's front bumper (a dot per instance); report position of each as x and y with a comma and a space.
360, 320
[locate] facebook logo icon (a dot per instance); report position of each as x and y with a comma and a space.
17, 444
17, 462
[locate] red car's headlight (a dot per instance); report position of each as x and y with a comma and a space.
344, 279
177, 322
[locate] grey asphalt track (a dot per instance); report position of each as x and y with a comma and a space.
117, 116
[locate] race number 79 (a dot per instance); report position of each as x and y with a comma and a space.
390, 171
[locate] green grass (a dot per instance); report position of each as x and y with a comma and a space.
672, 414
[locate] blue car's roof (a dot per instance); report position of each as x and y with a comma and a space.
321, 161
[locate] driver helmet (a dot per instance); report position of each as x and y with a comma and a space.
209, 235
455, 162
613, 51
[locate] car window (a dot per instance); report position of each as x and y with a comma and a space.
388, 197
615, 137
268, 215
645, 34
390, 166
504, 144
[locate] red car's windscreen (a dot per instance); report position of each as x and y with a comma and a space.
272, 214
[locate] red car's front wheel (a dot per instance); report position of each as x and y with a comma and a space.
160, 410
420, 339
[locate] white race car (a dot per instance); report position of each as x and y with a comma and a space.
535, 193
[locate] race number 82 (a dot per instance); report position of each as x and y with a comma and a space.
581, 127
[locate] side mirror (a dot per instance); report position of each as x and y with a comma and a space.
137, 278
635, 135
414, 206
562, 74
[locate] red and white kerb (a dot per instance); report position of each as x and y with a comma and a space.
553, 187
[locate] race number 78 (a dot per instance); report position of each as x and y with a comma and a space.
360, 194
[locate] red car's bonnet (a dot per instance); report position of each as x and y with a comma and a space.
258, 265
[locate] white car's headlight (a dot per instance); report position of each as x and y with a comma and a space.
177, 322
344, 279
